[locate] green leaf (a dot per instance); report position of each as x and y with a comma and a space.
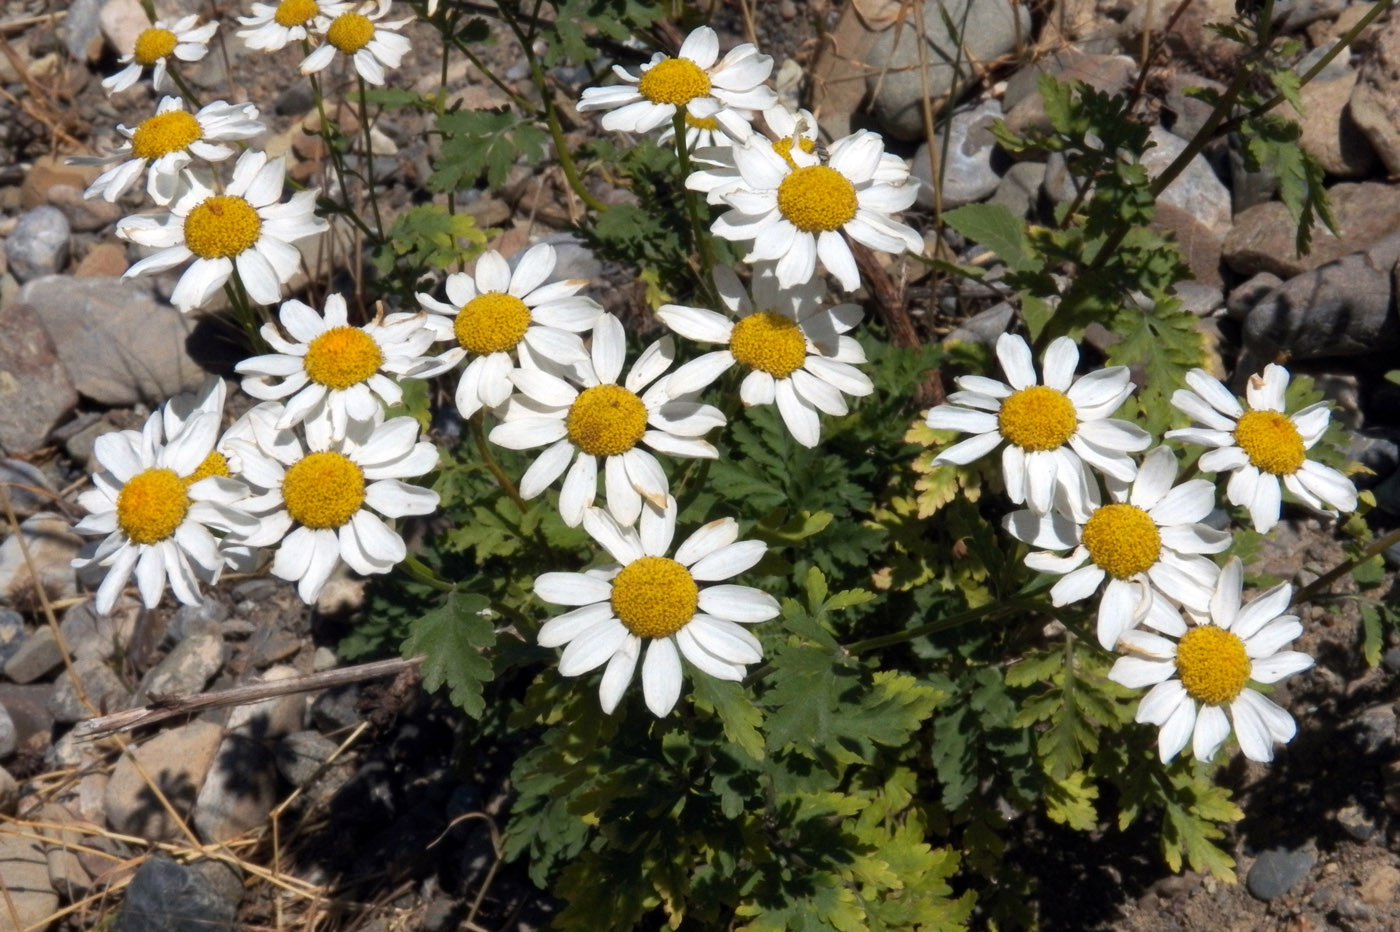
454, 637
738, 715
998, 229
1070, 802
483, 143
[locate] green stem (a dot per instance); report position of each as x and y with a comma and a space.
185, 90
703, 247
1346, 566
501, 86
334, 152
249, 319
477, 424
369, 159
424, 574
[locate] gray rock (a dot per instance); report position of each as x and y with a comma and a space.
1200, 245
9, 790
195, 619
1341, 309
301, 754
337, 709
52, 545
27, 709
26, 873
27, 485
967, 176
1263, 236
65, 832
187, 668
1199, 298
1375, 101
572, 258
1375, 729
1197, 190
1189, 113
1247, 294
169, 897
9, 735
1391, 660
1356, 822
984, 327
1025, 108
177, 761
121, 21
91, 635
1276, 871
271, 718
1019, 188
11, 634
1329, 132
35, 391
102, 687
37, 656
119, 344
39, 243
1381, 455
87, 215
240, 791
80, 30
986, 29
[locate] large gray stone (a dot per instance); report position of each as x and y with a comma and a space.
1375, 100
1276, 871
1025, 108
240, 791
9, 737
177, 761
35, 391
1263, 237
1330, 133
38, 244
986, 29
38, 655
1345, 308
169, 897
30, 490
967, 175
80, 30
187, 668
1197, 190
100, 685
52, 545
26, 873
119, 343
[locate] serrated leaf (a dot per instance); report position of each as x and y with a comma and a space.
738, 715
453, 637
998, 229
1070, 801
483, 143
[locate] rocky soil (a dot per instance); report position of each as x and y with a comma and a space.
356, 808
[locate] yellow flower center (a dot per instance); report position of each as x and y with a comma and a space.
1271, 441
770, 342
151, 506
323, 490
350, 32
491, 323
1037, 418
709, 123
214, 465
165, 133
674, 81
221, 226
817, 199
654, 597
606, 420
295, 12
152, 45
1122, 539
341, 357
1212, 664
784, 148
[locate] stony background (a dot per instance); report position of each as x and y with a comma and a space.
364, 785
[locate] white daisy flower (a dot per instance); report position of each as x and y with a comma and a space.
371, 44
154, 48
726, 92
795, 208
247, 227
331, 370
273, 25
169, 141
496, 312
1209, 667
156, 513
605, 420
327, 489
1055, 432
790, 342
1261, 445
1147, 543
785, 130
650, 597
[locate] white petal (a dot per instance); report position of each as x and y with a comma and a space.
572, 589
738, 603
1212, 728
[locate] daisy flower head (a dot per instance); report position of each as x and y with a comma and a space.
247, 227
273, 25
1261, 444
725, 91
786, 129
165, 143
156, 45
332, 371
660, 601
157, 514
789, 341
1143, 546
497, 312
327, 491
605, 420
797, 209
1207, 669
1054, 431
359, 34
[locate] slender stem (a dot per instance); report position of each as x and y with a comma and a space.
185, 90
477, 425
501, 86
551, 116
369, 158
703, 247
244, 308
334, 152
1346, 566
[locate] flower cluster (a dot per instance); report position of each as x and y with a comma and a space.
1126, 531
